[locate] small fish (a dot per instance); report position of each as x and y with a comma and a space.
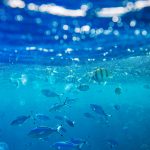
43, 132
49, 93
100, 75
69, 122
61, 118
117, 107
98, 109
57, 106
70, 100
78, 141
83, 87
42, 117
62, 145
19, 120
113, 143
118, 90
89, 115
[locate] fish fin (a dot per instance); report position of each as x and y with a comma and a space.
65, 102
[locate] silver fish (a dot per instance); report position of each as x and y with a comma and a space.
43, 131
57, 106
62, 145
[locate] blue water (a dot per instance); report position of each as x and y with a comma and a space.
54, 51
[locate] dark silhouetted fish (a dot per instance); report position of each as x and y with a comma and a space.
99, 110
43, 131
69, 122
83, 87
117, 107
58, 106
113, 143
19, 120
89, 115
118, 90
49, 93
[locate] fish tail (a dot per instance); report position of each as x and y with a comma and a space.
79, 146
65, 102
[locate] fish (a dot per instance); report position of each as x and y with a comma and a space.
43, 131
19, 120
118, 90
49, 93
70, 100
113, 143
42, 117
63, 130
100, 75
69, 122
61, 118
117, 107
99, 110
83, 87
63, 145
88, 115
57, 106
78, 141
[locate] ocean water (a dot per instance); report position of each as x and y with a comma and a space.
49, 53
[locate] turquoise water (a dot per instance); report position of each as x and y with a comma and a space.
128, 126
74, 75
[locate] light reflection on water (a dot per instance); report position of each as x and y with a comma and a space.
50, 33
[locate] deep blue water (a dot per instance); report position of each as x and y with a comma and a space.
56, 46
